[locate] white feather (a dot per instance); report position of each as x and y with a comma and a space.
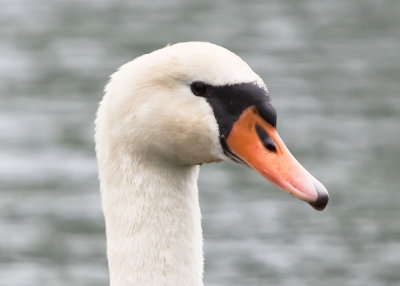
151, 134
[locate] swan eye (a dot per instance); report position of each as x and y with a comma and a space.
199, 88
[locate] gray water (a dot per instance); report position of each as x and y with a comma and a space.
333, 69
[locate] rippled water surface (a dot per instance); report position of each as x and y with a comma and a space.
333, 70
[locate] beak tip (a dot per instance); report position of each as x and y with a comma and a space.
322, 199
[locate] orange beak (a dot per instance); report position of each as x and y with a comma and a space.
257, 143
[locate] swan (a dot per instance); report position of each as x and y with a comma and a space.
163, 115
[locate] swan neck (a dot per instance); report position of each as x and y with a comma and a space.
153, 225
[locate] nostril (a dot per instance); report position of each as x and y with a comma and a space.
265, 139
270, 146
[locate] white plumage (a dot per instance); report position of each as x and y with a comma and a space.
151, 134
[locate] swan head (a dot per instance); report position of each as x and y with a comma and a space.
193, 103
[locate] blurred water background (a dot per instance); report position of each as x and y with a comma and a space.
333, 69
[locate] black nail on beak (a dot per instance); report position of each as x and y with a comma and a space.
265, 139
322, 199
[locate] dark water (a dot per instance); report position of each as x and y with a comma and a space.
333, 69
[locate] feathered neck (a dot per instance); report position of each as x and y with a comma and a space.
153, 222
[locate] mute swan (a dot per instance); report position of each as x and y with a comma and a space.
163, 115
